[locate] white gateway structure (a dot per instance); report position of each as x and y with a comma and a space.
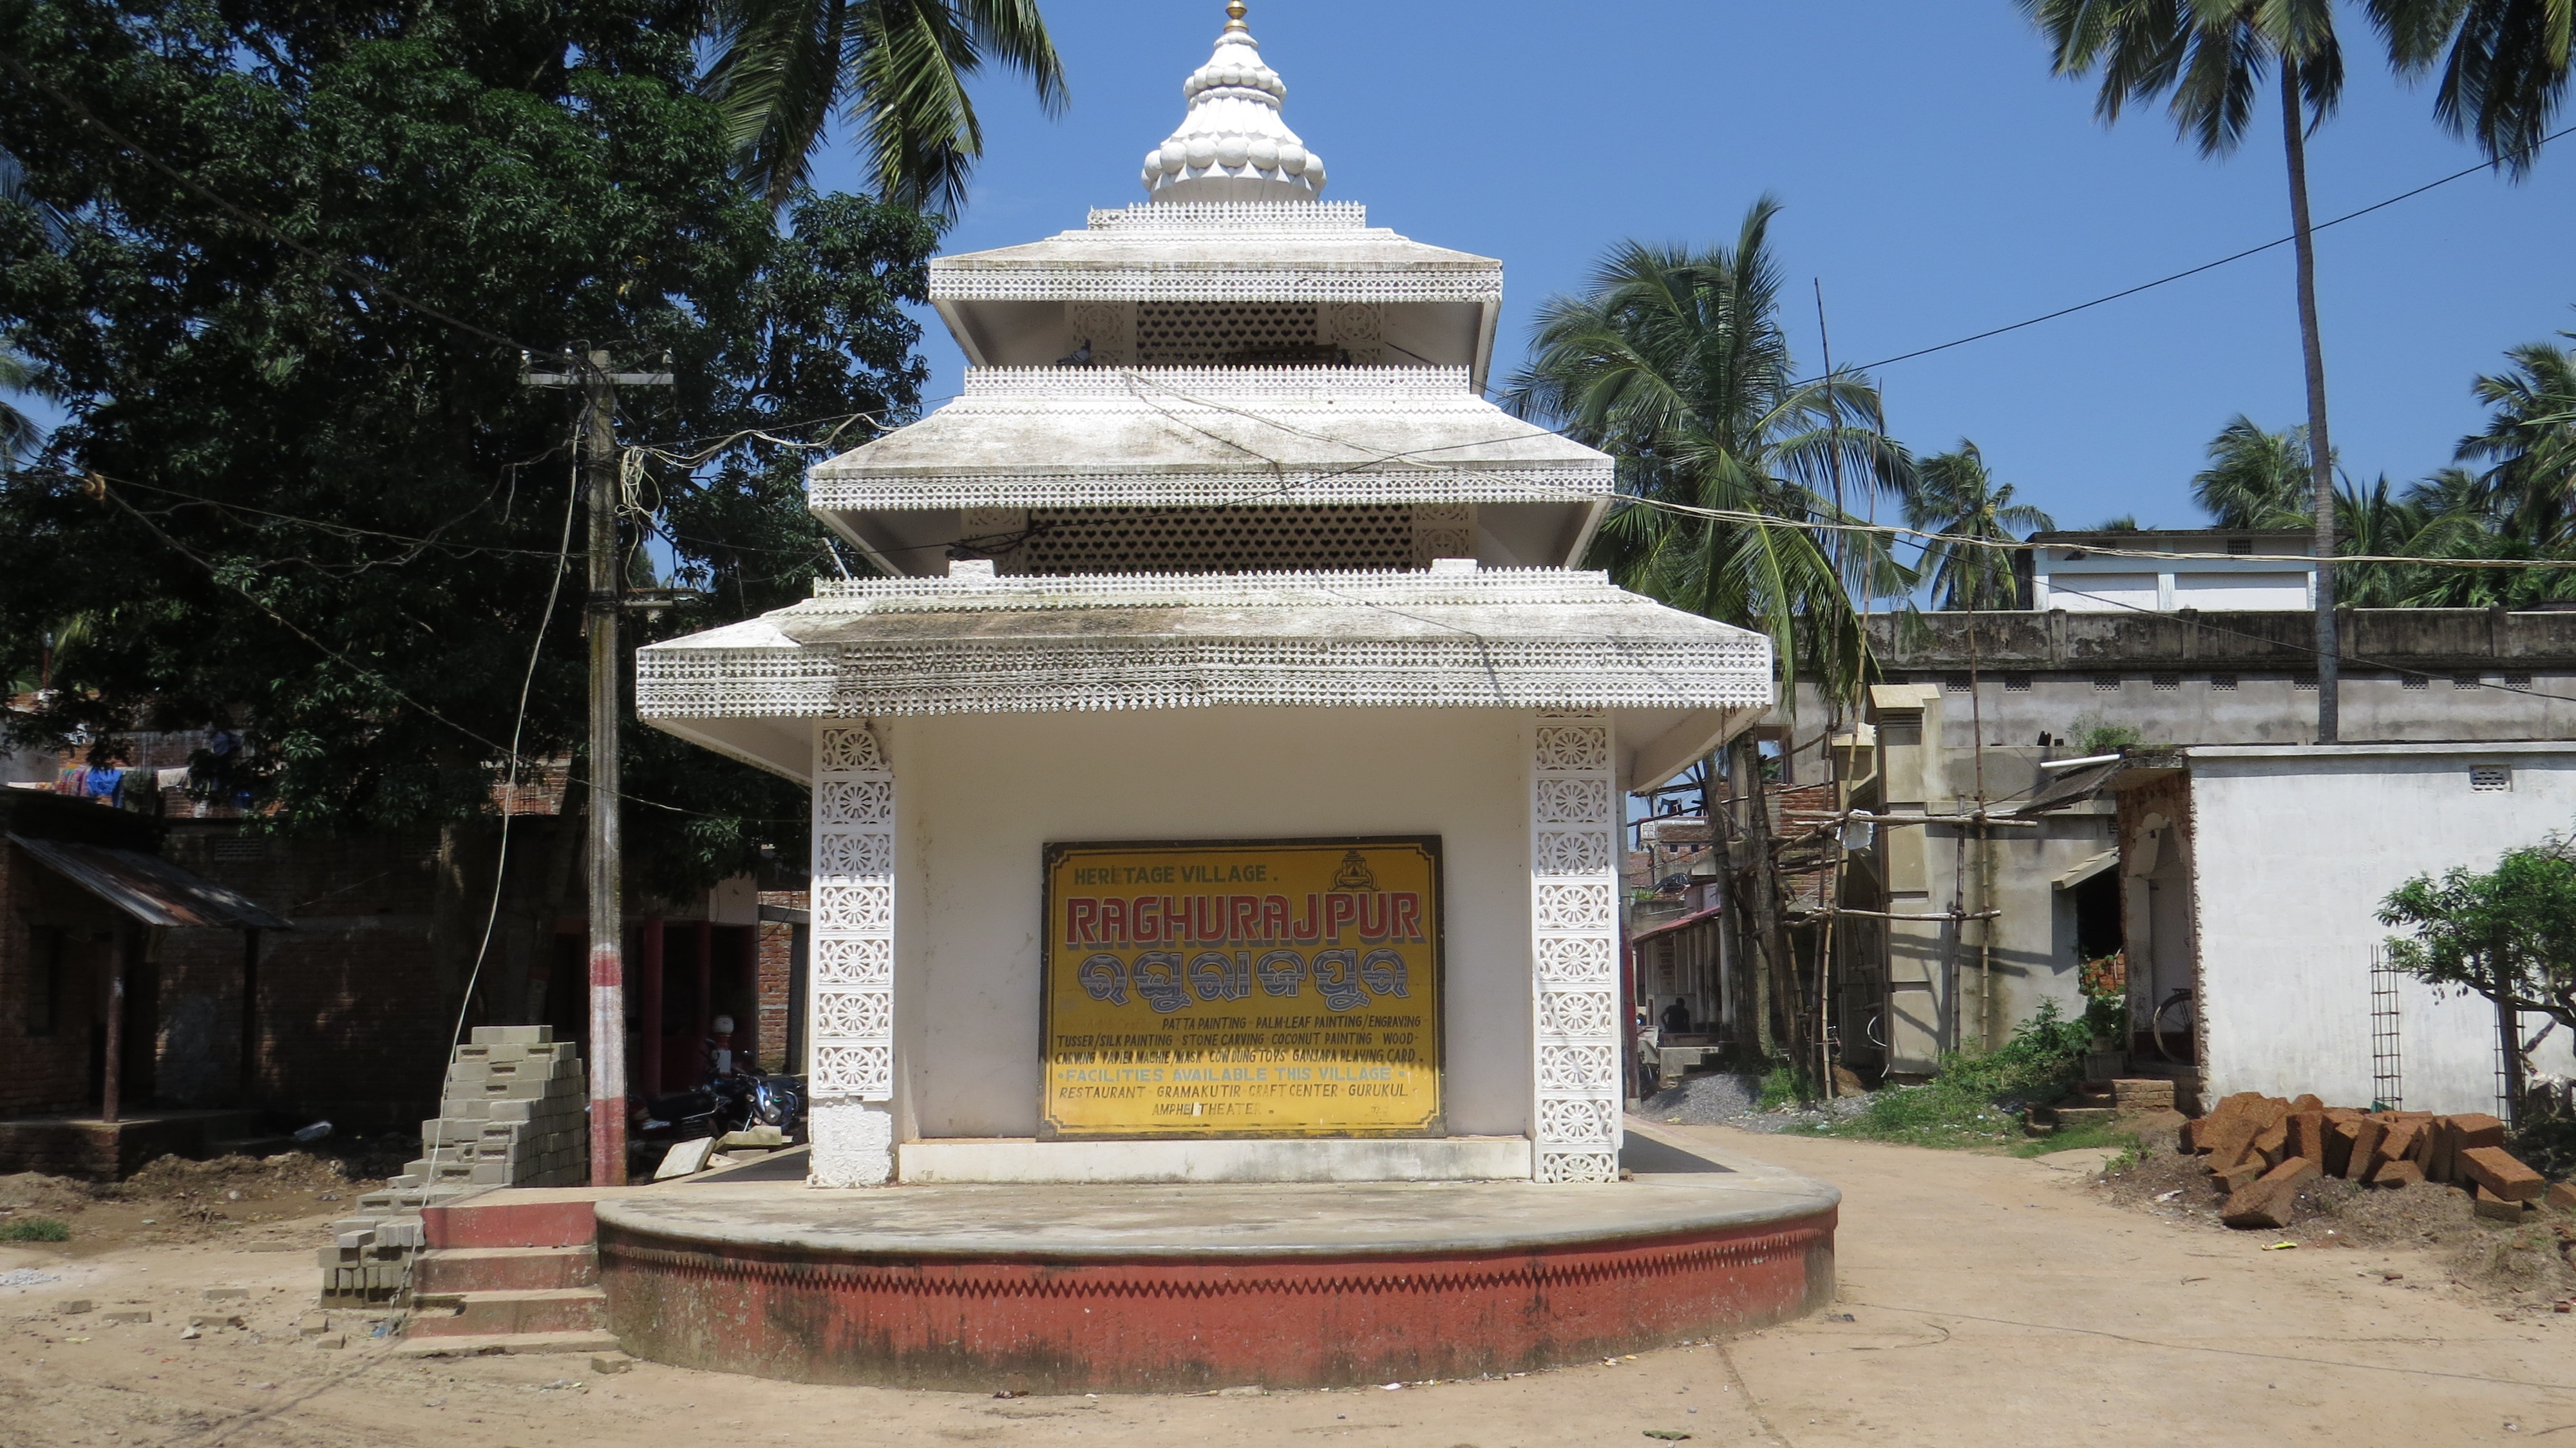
1223, 780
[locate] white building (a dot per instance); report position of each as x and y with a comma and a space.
1220, 556
2164, 569
2252, 877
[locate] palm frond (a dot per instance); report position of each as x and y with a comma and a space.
896, 70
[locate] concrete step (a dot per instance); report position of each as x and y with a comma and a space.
2077, 1118
515, 1343
517, 1217
504, 1269
487, 1314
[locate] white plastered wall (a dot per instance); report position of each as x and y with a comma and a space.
2292, 852
982, 795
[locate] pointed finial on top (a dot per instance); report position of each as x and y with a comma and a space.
1233, 145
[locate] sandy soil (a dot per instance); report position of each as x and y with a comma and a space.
1988, 1300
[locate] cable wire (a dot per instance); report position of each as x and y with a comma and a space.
518, 729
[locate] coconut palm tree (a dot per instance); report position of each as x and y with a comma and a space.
2210, 59
2503, 63
19, 434
2256, 479
894, 70
1673, 361
1955, 496
2530, 443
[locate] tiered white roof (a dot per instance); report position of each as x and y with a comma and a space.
1232, 376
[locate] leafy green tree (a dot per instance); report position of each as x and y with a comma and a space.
1956, 496
2209, 60
2508, 935
2530, 443
2257, 479
2503, 63
301, 491
895, 71
1674, 362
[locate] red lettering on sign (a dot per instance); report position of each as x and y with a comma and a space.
1242, 917
1340, 909
1274, 919
1113, 919
1310, 929
1372, 916
1145, 920
1407, 923
1079, 916
1207, 917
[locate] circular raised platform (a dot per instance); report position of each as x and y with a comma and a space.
1175, 1288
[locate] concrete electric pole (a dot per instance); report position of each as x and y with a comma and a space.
594, 374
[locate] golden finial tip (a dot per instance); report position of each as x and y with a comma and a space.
1235, 11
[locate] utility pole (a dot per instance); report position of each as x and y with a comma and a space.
594, 374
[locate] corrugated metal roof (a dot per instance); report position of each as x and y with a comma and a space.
2074, 787
150, 888
1670, 926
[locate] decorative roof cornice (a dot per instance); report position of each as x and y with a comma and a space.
1212, 437
977, 644
973, 591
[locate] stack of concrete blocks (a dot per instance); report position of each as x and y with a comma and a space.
512, 1115
368, 1263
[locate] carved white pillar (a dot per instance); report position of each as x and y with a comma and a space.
1574, 920
1443, 530
851, 1081
1108, 328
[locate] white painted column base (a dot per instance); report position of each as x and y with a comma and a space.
853, 1144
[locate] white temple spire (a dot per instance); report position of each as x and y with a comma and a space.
1233, 145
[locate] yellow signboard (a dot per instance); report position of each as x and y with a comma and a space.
1261, 988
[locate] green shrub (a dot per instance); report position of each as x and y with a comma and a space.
2547, 1144
1782, 1086
35, 1229
1974, 1099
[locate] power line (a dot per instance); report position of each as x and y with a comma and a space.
109, 494
2203, 267
1891, 531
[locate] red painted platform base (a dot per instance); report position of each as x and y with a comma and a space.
1156, 1320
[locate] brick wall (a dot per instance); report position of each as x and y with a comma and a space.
777, 975
352, 1022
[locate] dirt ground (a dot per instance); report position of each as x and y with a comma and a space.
1983, 1300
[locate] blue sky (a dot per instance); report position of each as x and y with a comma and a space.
1937, 180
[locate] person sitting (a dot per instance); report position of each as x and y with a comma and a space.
1677, 1016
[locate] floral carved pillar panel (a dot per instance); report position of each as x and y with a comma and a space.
852, 1071
1574, 919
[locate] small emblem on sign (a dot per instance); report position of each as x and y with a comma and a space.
1355, 874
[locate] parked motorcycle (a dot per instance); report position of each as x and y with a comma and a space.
736, 1096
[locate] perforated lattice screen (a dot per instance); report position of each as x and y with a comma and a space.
1199, 334
1216, 540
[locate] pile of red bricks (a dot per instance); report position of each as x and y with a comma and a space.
2263, 1149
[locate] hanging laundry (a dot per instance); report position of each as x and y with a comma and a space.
171, 778
107, 786
72, 781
